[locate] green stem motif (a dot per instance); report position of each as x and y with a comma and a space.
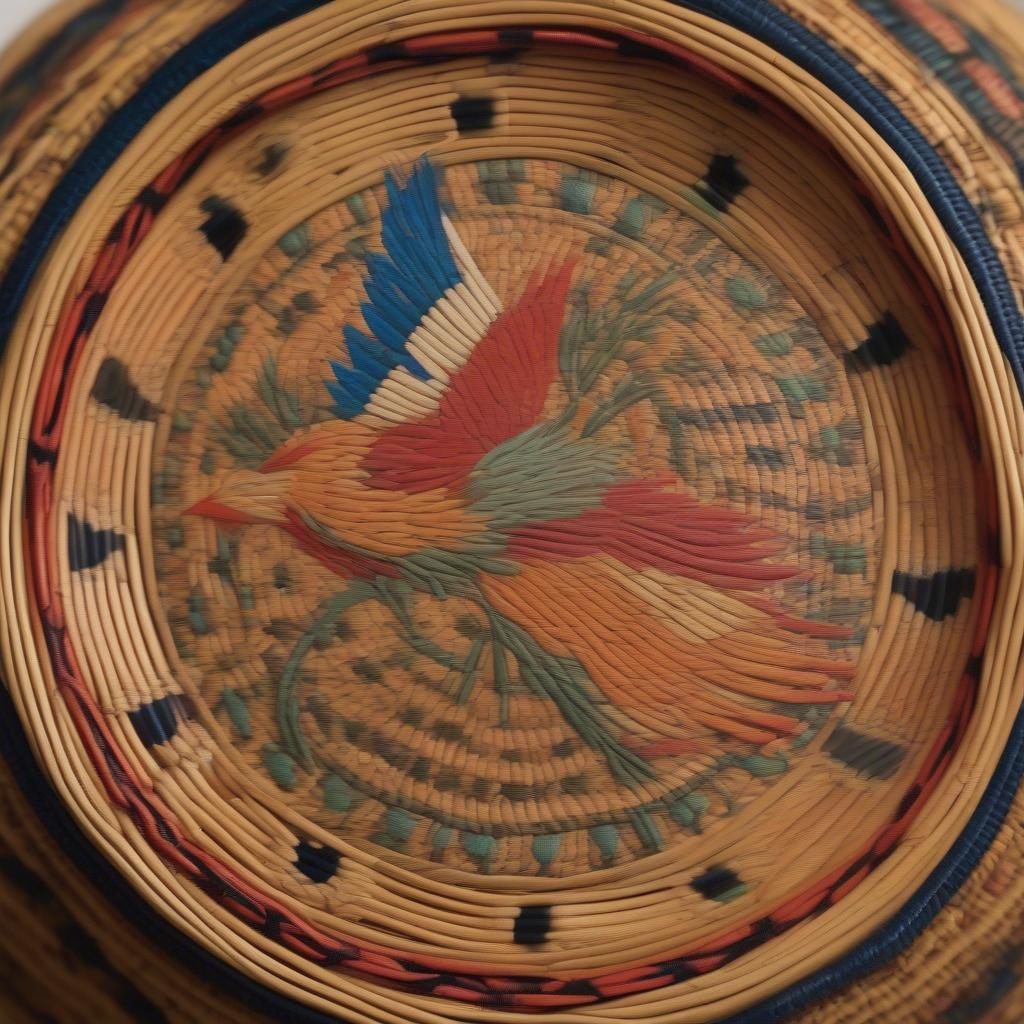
469, 672
395, 597
292, 739
629, 391
564, 682
499, 649
561, 680
284, 405
249, 435
593, 338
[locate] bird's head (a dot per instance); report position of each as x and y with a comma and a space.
245, 496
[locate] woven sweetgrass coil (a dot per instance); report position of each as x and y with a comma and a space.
512, 513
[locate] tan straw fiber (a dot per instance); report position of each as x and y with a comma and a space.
512, 513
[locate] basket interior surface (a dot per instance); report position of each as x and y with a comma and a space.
511, 521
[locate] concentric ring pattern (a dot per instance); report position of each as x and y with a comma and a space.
515, 515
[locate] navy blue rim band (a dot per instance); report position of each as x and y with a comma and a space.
961, 221
763, 21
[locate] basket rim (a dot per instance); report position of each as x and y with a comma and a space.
760, 19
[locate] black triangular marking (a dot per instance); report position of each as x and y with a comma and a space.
723, 183
89, 547
866, 755
115, 389
909, 799
639, 50
760, 931
225, 226
245, 114
885, 343
318, 863
386, 52
271, 159
473, 113
747, 102
92, 311
44, 456
157, 722
515, 36
716, 882
152, 199
532, 925
937, 596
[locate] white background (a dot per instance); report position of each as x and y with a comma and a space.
15, 14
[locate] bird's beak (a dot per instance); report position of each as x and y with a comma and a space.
210, 508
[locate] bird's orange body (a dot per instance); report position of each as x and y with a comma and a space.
327, 478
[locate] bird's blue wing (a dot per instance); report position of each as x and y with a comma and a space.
403, 284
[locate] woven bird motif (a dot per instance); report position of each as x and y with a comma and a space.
458, 463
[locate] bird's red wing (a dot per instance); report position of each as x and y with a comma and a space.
645, 526
497, 394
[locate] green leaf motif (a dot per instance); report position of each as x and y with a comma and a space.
280, 767
337, 794
238, 711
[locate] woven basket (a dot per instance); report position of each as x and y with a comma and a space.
512, 513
